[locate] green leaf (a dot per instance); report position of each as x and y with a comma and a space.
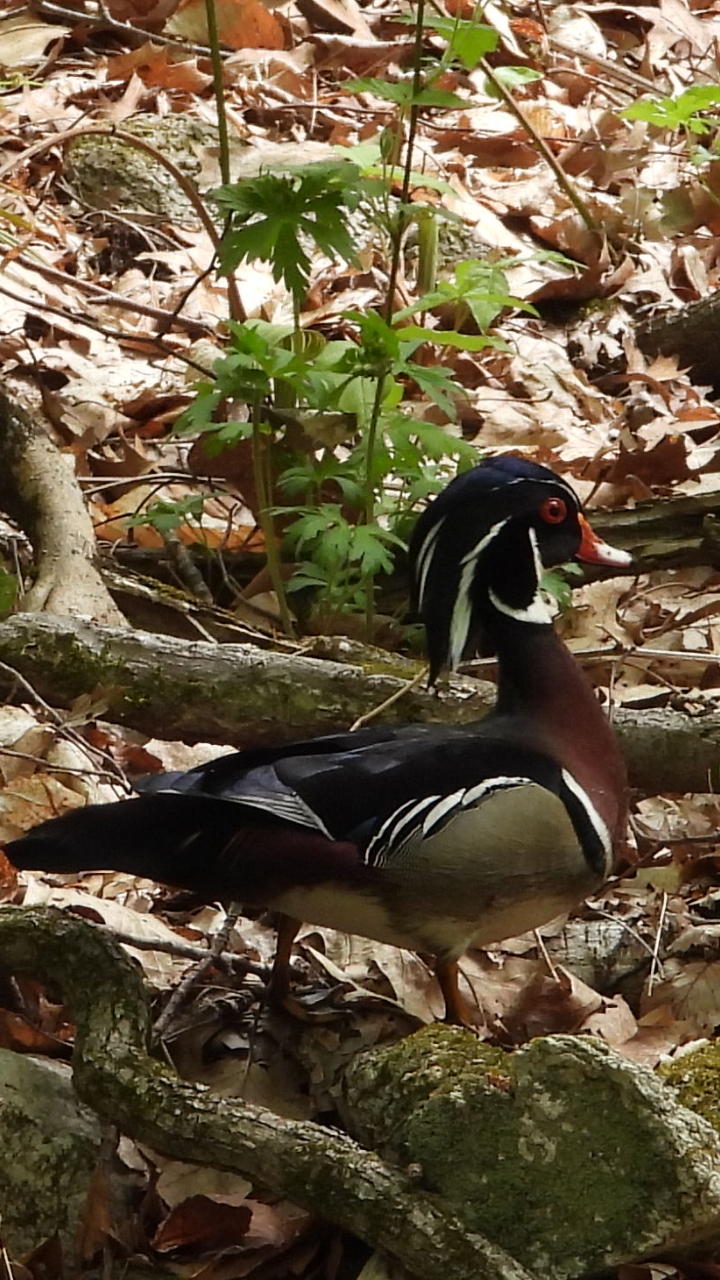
468, 41
433, 441
450, 338
167, 516
199, 413
378, 346
8, 592
511, 77
434, 97
438, 384
270, 214
555, 583
477, 288
677, 113
399, 91
226, 436
307, 575
369, 547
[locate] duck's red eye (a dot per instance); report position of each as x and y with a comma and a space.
553, 510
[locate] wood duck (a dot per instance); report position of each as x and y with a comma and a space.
428, 837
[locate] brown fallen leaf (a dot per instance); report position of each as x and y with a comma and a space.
149, 15
242, 24
200, 1221
159, 66
24, 40
339, 17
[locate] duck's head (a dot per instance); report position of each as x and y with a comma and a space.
478, 551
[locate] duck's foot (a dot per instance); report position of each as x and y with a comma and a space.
296, 1009
457, 1013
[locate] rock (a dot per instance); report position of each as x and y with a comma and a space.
564, 1153
50, 1145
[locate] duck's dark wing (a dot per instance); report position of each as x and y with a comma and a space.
250, 823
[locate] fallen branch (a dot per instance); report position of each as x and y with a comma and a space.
235, 693
239, 694
691, 333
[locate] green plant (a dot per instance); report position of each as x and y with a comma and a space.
687, 113
9, 586
477, 289
166, 517
338, 547
345, 505
558, 584
681, 112
271, 215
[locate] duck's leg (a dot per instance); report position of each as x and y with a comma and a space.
279, 985
456, 1011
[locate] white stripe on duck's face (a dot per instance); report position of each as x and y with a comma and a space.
462, 611
536, 610
424, 560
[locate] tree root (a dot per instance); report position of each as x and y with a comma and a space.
38, 489
320, 1169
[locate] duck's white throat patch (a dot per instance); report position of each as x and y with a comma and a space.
537, 610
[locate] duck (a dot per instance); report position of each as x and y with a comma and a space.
430, 837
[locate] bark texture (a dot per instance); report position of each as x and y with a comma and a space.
39, 490
235, 693
239, 694
691, 333
667, 533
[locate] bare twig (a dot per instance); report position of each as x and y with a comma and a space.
655, 966
561, 177
191, 979
59, 720
389, 702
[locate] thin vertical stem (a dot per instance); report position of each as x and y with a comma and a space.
398, 233
267, 523
217, 71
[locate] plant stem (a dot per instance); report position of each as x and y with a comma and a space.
217, 70
267, 523
401, 222
369, 579
261, 465
237, 310
562, 179
402, 219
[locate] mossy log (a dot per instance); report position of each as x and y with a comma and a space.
246, 696
574, 1157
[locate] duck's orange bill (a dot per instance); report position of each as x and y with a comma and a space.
594, 551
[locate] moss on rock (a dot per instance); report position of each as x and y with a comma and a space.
563, 1153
